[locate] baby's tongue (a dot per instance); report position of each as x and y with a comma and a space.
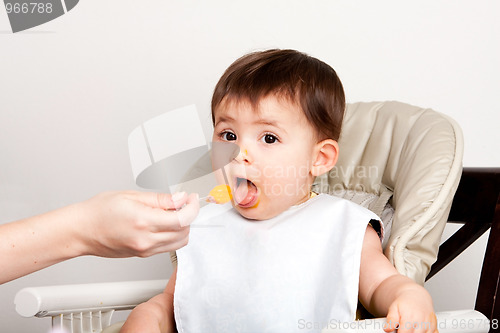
245, 193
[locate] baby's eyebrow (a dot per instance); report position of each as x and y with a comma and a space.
258, 121
272, 123
267, 122
224, 119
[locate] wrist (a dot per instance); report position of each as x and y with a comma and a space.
78, 229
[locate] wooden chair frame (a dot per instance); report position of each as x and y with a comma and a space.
477, 205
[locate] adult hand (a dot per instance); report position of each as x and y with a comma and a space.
112, 224
124, 224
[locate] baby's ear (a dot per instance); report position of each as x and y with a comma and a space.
326, 155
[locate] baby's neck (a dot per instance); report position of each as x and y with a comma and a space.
307, 197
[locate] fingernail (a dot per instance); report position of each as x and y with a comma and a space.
184, 222
178, 196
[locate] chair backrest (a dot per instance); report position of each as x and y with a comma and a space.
412, 154
477, 206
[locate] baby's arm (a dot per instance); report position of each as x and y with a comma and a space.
385, 292
155, 315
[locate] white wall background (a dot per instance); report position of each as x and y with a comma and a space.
71, 91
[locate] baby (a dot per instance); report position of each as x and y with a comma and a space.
282, 259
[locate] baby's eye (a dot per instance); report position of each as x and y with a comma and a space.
228, 136
270, 138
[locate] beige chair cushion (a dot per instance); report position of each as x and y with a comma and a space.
376, 203
414, 153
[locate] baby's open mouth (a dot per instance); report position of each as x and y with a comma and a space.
246, 193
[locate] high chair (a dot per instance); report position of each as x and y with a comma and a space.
401, 161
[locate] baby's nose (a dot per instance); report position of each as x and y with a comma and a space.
243, 156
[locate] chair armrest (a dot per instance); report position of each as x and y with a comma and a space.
462, 321
63, 299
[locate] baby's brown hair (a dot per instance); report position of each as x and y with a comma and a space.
302, 79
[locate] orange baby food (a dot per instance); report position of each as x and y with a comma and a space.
220, 194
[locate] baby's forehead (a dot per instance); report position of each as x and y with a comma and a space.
261, 106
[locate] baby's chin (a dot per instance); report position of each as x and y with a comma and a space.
269, 207
254, 216
259, 212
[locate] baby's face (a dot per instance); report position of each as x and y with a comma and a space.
277, 150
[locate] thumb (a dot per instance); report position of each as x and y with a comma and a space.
189, 212
163, 200
392, 320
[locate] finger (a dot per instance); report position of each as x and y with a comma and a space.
167, 241
188, 213
163, 200
392, 319
160, 220
428, 325
179, 199
171, 246
433, 323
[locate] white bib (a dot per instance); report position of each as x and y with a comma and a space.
296, 272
